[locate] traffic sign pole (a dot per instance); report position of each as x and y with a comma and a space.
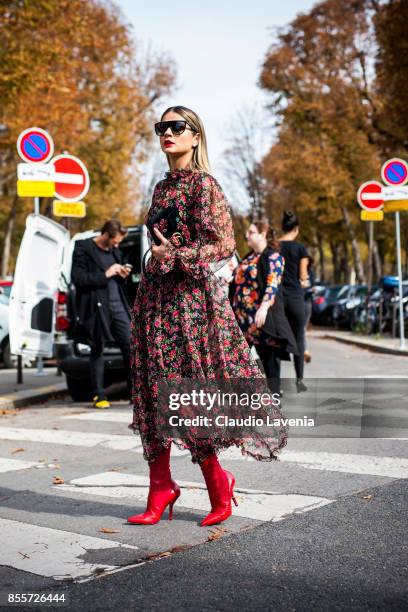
401, 307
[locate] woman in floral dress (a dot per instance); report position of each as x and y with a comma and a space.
182, 324
256, 298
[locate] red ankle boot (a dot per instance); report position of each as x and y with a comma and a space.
220, 485
163, 492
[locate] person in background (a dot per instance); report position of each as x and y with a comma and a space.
294, 278
103, 313
256, 298
308, 295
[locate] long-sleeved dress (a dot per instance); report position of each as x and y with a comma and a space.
182, 323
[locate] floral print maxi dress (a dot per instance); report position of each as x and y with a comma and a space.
182, 323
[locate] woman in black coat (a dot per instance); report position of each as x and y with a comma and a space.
255, 294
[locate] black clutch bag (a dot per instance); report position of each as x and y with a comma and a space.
166, 220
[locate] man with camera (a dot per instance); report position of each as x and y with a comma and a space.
102, 308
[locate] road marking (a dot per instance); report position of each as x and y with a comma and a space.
391, 467
9, 465
71, 438
253, 504
111, 417
51, 552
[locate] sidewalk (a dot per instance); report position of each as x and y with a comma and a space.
377, 344
33, 389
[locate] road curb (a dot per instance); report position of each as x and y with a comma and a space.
20, 399
369, 346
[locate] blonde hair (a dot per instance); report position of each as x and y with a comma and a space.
200, 153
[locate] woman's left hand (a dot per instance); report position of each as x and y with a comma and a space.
260, 315
160, 252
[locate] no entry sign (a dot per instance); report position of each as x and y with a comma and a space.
71, 178
370, 195
35, 145
395, 172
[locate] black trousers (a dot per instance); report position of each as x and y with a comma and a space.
120, 330
271, 364
295, 314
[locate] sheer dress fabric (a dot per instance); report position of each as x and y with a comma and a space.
182, 323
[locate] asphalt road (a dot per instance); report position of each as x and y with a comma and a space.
322, 529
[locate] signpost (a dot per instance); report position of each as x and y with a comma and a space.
374, 198
71, 178
35, 145
64, 177
395, 172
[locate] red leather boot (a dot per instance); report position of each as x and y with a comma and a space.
163, 492
220, 485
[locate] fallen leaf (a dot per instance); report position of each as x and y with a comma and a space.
57, 480
109, 530
116, 469
217, 533
164, 554
367, 497
8, 411
17, 450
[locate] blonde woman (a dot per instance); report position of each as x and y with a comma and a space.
183, 325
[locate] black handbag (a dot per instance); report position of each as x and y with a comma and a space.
166, 220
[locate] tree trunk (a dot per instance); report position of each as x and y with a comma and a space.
358, 264
334, 247
321, 258
5, 258
376, 261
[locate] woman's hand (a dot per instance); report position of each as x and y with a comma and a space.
260, 315
160, 252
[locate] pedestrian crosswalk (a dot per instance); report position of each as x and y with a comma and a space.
52, 544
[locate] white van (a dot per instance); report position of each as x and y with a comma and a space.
42, 294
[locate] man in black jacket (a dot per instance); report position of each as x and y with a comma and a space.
102, 308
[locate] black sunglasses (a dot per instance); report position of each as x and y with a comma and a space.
177, 127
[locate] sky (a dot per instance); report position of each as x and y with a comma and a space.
218, 47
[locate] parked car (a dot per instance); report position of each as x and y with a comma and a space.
43, 297
5, 355
322, 307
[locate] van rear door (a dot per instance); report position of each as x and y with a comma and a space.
32, 301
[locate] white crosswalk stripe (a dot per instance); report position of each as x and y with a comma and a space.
50, 552
47, 551
10, 465
259, 505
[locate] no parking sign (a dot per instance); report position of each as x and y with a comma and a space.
395, 172
35, 145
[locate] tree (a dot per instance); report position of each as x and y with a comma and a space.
71, 67
321, 94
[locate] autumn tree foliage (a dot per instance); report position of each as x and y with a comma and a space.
73, 68
325, 96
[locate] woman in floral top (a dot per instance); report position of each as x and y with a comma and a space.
255, 294
182, 324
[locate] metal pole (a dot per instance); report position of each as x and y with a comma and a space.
36, 206
370, 269
401, 307
19, 370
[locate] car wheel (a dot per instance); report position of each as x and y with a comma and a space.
79, 390
9, 360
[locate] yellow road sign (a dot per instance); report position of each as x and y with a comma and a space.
35, 189
68, 209
372, 215
395, 205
